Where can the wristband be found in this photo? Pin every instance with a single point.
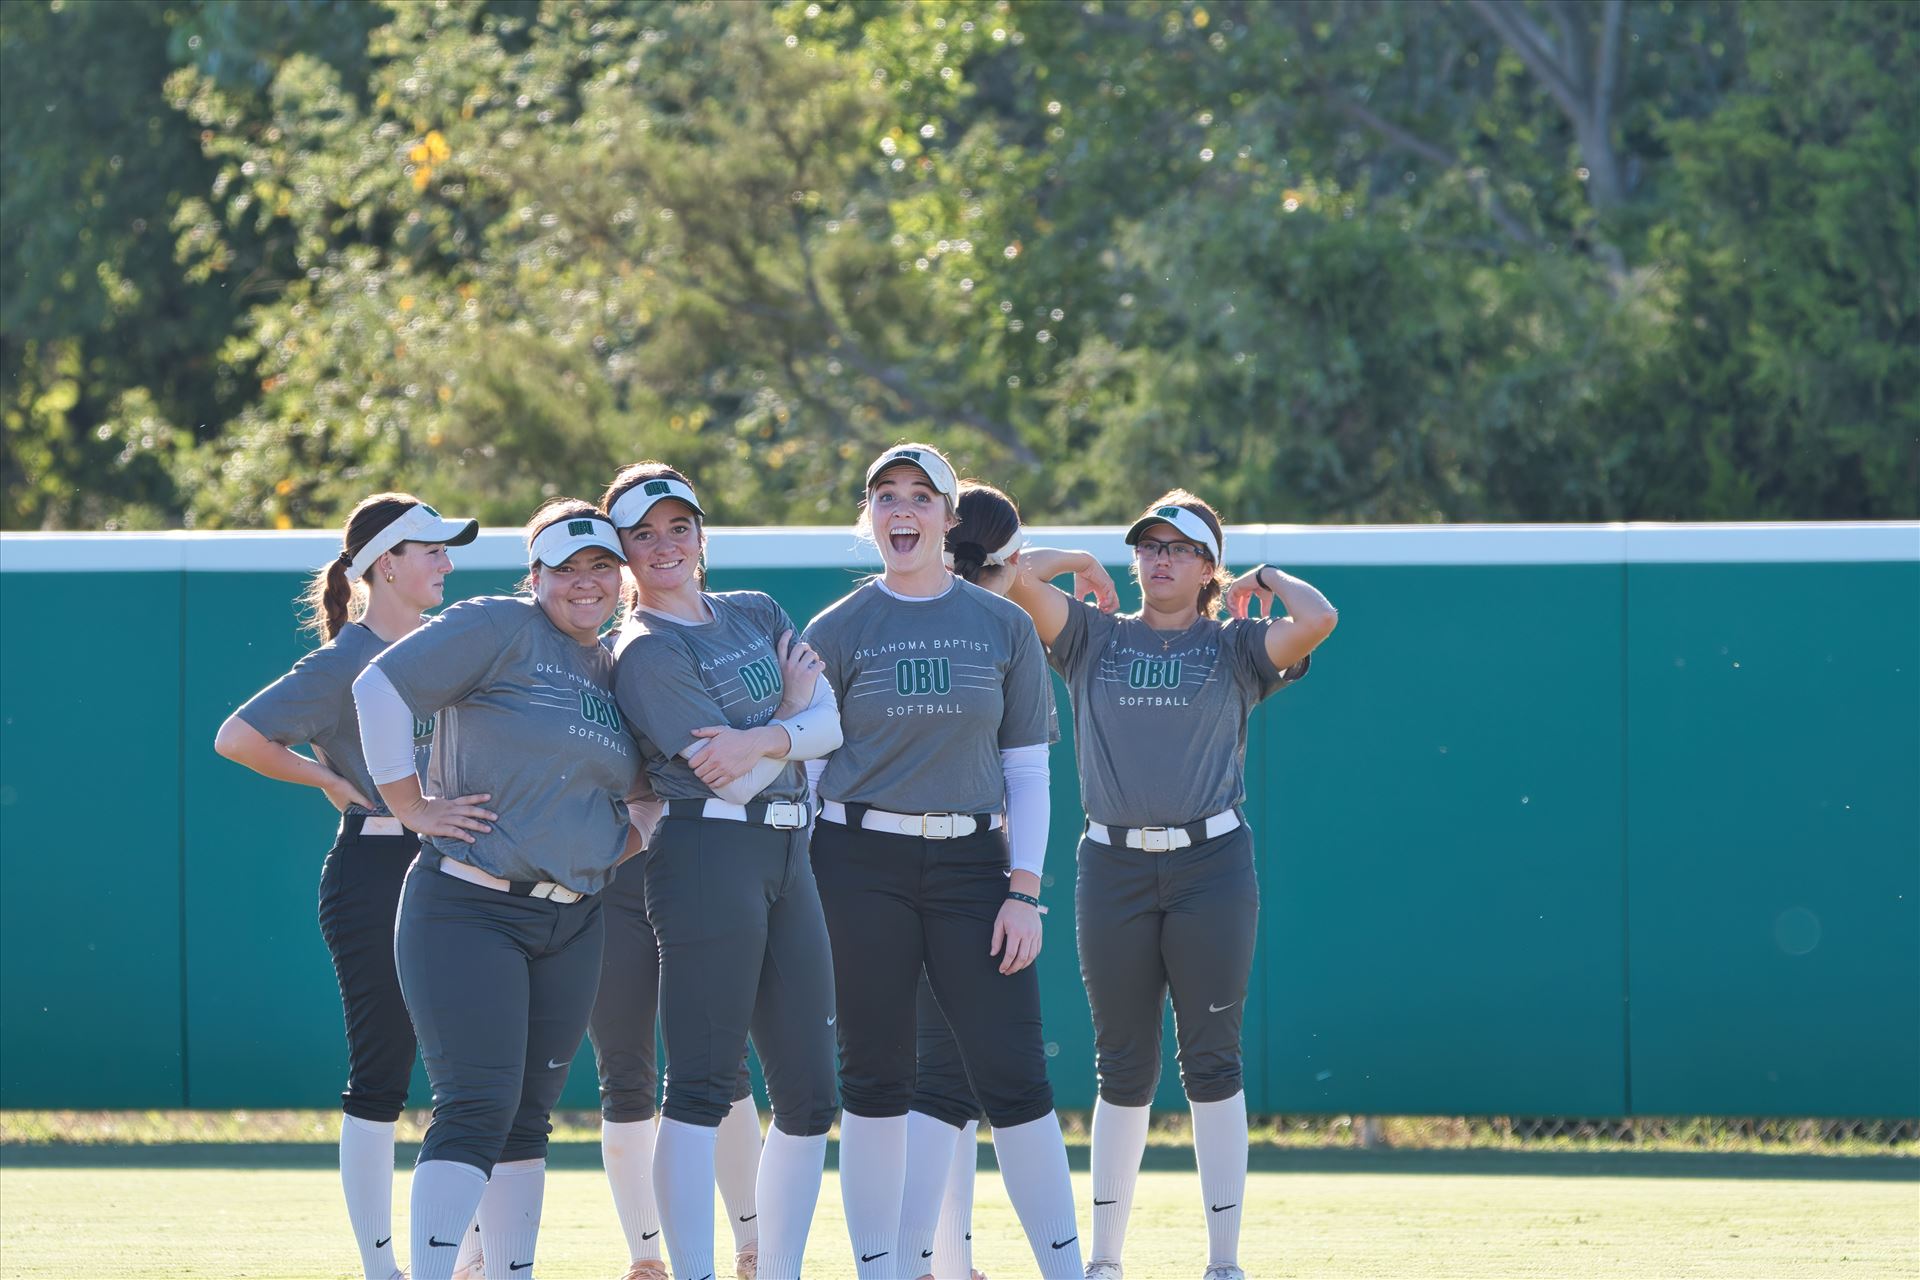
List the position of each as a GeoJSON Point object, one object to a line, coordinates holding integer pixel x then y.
{"type": "Point", "coordinates": [1259, 578]}
{"type": "Point", "coordinates": [1029, 899]}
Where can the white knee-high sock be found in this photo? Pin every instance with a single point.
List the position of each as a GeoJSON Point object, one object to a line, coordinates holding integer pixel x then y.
{"type": "Point", "coordinates": [683, 1184]}
{"type": "Point", "coordinates": [789, 1189]}
{"type": "Point", "coordinates": [1220, 1149]}
{"type": "Point", "coordinates": [445, 1195]}
{"type": "Point", "coordinates": [1033, 1164]}
{"type": "Point", "coordinates": [626, 1149]}
{"type": "Point", "coordinates": [1119, 1142]}
{"type": "Point", "coordinates": [468, 1264]}
{"type": "Point", "coordinates": [736, 1166]}
{"type": "Point", "coordinates": [873, 1171]}
{"type": "Point", "coordinates": [366, 1175]}
{"type": "Point", "coordinates": [510, 1218]}
{"type": "Point", "coordinates": [930, 1144]}
{"type": "Point", "coordinates": [953, 1239]}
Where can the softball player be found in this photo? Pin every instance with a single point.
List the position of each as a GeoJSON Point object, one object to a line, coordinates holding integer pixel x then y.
{"type": "Point", "coordinates": [724, 708]}
{"type": "Point", "coordinates": [945, 717]}
{"type": "Point", "coordinates": [1166, 895]}
{"type": "Point", "coordinates": [392, 568]}
{"type": "Point", "coordinates": [943, 1120]}
{"type": "Point", "coordinates": [498, 936]}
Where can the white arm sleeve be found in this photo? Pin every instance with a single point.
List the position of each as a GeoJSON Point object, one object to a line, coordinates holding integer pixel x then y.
{"type": "Point", "coordinates": [1029, 810]}
{"type": "Point", "coordinates": [815, 730]}
{"type": "Point", "coordinates": [748, 785]}
{"type": "Point", "coordinates": [386, 726]}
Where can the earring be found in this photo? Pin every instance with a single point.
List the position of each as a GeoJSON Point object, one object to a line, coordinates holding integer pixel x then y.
{"type": "Point", "coordinates": [389, 577]}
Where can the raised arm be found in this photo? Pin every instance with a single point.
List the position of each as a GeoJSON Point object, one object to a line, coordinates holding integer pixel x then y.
{"type": "Point", "coordinates": [1035, 568]}
{"type": "Point", "coordinates": [1310, 618]}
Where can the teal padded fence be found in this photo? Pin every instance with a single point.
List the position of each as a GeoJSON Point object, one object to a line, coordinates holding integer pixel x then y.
{"type": "Point", "coordinates": [1585, 821]}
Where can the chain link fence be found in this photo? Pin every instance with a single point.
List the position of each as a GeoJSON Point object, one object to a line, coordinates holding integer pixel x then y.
{"type": "Point", "coordinates": [1669, 1133]}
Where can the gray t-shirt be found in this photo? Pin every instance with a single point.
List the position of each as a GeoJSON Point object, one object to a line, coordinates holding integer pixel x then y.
{"type": "Point", "coordinates": [313, 703]}
{"type": "Point", "coordinates": [526, 715]}
{"type": "Point", "coordinates": [931, 691]}
{"type": "Point", "coordinates": [1160, 717]}
{"type": "Point", "coordinates": [675, 677]}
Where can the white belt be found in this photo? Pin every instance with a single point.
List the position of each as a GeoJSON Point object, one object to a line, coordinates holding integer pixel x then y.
{"type": "Point", "coordinates": [474, 875]}
{"type": "Point", "coordinates": [1163, 839]}
{"type": "Point", "coordinates": [928, 826]}
{"type": "Point", "coordinates": [781, 815]}
{"type": "Point", "coordinates": [373, 824]}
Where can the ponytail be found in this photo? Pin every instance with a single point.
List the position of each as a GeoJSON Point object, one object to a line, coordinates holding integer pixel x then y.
{"type": "Point", "coordinates": [326, 604]}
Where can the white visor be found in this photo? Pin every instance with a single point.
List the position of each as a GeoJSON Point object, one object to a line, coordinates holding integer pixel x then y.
{"type": "Point", "coordinates": [927, 461]}
{"type": "Point", "coordinates": [418, 523]}
{"type": "Point", "coordinates": [554, 545]}
{"type": "Point", "coordinates": [1005, 553]}
{"type": "Point", "coordinates": [631, 507]}
{"type": "Point", "coordinates": [1191, 527]}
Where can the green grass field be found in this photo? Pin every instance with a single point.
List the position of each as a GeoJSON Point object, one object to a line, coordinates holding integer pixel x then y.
{"type": "Point", "coordinates": [274, 1210]}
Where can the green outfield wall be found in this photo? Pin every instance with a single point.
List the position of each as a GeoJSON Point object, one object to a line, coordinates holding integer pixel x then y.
{"type": "Point", "coordinates": [1597, 821]}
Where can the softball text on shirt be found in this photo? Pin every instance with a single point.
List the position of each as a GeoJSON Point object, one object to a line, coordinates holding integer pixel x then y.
{"type": "Point", "coordinates": [675, 677]}
{"type": "Point", "coordinates": [527, 715]}
{"type": "Point", "coordinates": [930, 693]}
{"type": "Point", "coordinates": [1160, 717]}
{"type": "Point", "coordinates": [313, 703]}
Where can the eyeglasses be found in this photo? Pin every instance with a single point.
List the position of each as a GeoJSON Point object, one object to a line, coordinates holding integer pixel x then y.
{"type": "Point", "coordinates": [1153, 549]}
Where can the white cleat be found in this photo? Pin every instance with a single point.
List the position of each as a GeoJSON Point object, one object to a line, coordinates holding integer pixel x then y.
{"type": "Point", "coordinates": [646, 1269]}
{"type": "Point", "coordinates": [746, 1263]}
{"type": "Point", "coordinates": [1100, 1269]}
{"type": "Point", "coordinates": [1223, 1271]}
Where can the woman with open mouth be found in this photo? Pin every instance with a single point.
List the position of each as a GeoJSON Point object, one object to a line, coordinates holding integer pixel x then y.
{"type": "Point", "coordinates": [391, 570]}
{"type": "Point", "coordinates": [1166, 897]}
{"type": "Point", "coordinates": [725, 703]}
{"type": "Point", "coordinates": [524, 817]}
{"type": "Point", "coordinates": [945, 712]}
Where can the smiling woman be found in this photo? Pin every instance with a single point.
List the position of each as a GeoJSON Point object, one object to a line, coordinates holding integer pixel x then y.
{"type": "Point", "coordinates": [724, 704]}
{"type": "Point", "coordinates": [498, 935]}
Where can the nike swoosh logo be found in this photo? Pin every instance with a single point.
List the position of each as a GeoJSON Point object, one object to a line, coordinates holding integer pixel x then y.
{"type": "Point", "coordinates": [749, 1217]}
{"type": "Point", "coordinates": [436, 1242]}
{"type": "Point", "coordinates": [518, 1266]}
{"type": "Point", "coordinates": [381, 1244]}
{"type": "Point", "coordinates": [552, 1066]}
{"type": "Point", "coordinates": [1222, 1208]}
{"type": "Point", "coordinates": [1097, 1202]}
{"type": "Point", "coordinates": [926, 1253]}
{"type": "Point", "coordinates": [1061, 1244]}
{"type": "Point", "coordinates": [830, 1020]}
{"type": "Point", "coordinates": [869, 1257]}
{"type": "Point", "coordinates": [1221, 1008]}
{"type": "Point", "coordinates": [648, 1235]}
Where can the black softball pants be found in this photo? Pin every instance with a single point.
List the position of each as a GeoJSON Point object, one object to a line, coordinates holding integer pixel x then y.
{"type": "Point", "coordinates": [940, 1086]}
{"type": "Point", "coordinates": [499, 987]}
{"type": "Point", "coordinates": [624, 1013]}
{"type": "Point", "coordinates": [1184, 921]}
{"type": "Point", "coordinates": [743, 949]}
{"type": "Point", "coordinates": [359, 894]}
{"type": "Point", "coordinates": [894, 904]}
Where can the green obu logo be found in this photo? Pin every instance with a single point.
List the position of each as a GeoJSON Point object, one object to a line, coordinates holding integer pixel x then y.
{"type": "Point", "coordinates": [922, 675]}
{"type": "Point", "coordinates": [595, 709]}
{"type": "Point", "coordinates": [654, 488]}
{"type": "Point", "coordinates": [576, 528]}
{"type": "Point", "coordinates": [1154, 673]}
{"type": "Point", "coordinates": [762, 679]}
{"type": "Point", "coordinates": [423, 728]}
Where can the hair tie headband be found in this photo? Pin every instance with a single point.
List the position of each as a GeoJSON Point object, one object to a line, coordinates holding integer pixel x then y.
{"type": "Point", "coordinates": [969, 551]}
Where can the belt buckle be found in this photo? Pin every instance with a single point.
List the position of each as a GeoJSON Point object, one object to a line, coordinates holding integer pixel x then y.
{"type": "Point", "coordinates": [786, 815]}
{"type": "Point", "coordinates": [555, 892]}
{"type": "Point", "coordinates": [936, 826]}
{"type": "Point", "coordinates": [1156, 839]}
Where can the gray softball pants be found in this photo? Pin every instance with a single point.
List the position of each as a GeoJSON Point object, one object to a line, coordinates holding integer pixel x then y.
{"type": "Point", "coordinates": [1149, 923]}
{"type": "Point", "coordinates": [743, 950]}
{"type": "Point", "coordinates": [499, 988]}
{"type": "Point", "coordinates": [624, 1013]}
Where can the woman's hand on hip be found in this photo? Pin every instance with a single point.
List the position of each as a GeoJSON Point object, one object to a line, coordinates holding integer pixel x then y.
{"type": "Point", "coordinates": [458, 816]}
